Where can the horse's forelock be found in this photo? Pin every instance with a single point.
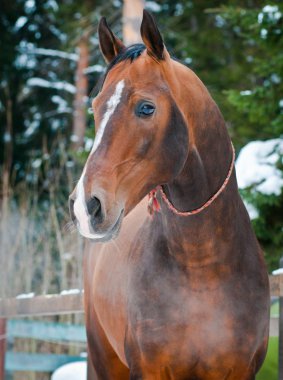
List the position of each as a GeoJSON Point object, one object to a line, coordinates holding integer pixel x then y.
{"type": "Point", "coordinates": [131, 53]}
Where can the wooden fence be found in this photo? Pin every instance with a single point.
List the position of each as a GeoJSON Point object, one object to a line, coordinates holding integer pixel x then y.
{"type": "Point", "coordinates": [47, 305]}
{"type": "Point", "coordinates": [51, 332]}
{"type": "Point", "coordinates": [73, 303]}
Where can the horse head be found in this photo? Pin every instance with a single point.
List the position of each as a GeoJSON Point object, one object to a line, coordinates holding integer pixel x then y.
{"type": "Point", "coordinates": [144, 128]}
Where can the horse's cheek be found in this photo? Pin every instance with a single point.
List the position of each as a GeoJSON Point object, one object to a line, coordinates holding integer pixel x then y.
{"type": "Point", "coordinates": [174, 148]}
{"type": "Point", "coordinates": [144, 145]}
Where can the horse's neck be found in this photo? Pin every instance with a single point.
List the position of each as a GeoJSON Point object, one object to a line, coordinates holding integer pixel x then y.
{"type": "Point", "coordinates": [209, 149]}
{"type": "Point", "coordinates": [208, 162]}
{"type": "Point", "coordinates": [204, 172]}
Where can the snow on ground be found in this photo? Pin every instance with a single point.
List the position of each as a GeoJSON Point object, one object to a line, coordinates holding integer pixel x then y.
{"type": "Point", "coordinates": [70, 291]}
{"type": "Point", "coordinates": [71, 371]}
{"type": "Point", "coordinates": [25, 295]}
{"type": "Point", "coordinates": [256, 166]}
{"type": "Point", "coordinates": [278, 271]}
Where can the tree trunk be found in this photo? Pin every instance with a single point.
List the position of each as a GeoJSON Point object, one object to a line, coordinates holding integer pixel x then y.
{"type": "Point", "coordinates": [8, 150]}
{"type": "Point", "coordinates": [4, 197]}
{"type": "Point", "coordinates": [79, 124]}
{"type": "Point", "coordinates": [132, 16]}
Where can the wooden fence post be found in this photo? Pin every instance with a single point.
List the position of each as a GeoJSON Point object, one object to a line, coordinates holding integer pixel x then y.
{"type": "Point", "coordinates": [2, 347]}
{"type": "Point", "coordinates": [280, 359]}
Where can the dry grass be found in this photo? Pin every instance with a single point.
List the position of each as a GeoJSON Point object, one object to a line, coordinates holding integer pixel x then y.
{"type": "Point", "coordinates": [38, 253]}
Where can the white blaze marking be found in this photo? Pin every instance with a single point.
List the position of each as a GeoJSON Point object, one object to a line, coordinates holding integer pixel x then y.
{"type": "Point", "coordinates": [80, 208]}
{"type": "Point", "coordinates": [111, 106]}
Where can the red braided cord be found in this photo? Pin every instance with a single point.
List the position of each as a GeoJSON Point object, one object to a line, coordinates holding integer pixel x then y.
{"type": "Point", "coordinates": [205, 205]}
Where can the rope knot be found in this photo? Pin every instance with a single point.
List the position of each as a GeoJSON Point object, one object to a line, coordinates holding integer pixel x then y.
{"type": "Point", "coordinates": [153, 204]}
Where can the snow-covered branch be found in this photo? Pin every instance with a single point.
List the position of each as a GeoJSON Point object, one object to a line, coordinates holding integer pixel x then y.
{"type": "Point", "coordinates": [94, 69]}
{"type": "Point", "coordinates": [54, 53]}
{"type": "Point", "coordinates": [39, 82]}
{"type": "Point", "coordinates": [256, 166]}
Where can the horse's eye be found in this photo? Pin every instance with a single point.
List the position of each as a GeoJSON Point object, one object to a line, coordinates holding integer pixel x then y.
{"type": "Point", "coordinates": [144, 109]}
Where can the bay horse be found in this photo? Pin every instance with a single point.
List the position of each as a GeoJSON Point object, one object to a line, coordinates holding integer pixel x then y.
{"type": "Point", "coordinates": [182, 293]}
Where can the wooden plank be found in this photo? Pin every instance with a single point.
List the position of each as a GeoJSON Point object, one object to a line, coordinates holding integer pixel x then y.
{"type": "Point", "coordinates": [19, 361]}
{"type": "Point", "coordinates": [274, 282]}
{"type": "Point", "coordinates": [2, 347]}
{"type": "Point", "coordinates": [61, 332]}
{"type": "Point", "coordinates": [41, 305]}
{"type": "Point", "coordinates": [274, 326]}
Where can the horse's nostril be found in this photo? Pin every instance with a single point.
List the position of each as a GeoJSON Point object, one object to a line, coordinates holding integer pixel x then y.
{"type": "Point", "coordinates": [94, 209]}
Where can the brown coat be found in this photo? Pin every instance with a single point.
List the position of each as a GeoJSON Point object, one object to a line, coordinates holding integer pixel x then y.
{"type": "Point", "coordinates": [172, 297]}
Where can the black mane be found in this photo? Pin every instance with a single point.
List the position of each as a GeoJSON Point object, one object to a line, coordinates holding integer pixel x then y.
{"type": "Point", "coordinates": [132, 52]}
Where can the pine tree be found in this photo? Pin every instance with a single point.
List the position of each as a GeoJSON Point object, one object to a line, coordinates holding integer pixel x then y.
{"type": "Point", "coordinates": [259, 106]}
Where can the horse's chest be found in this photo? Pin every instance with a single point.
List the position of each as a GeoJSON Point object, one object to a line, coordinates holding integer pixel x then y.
{"type": "Point", "coordinates": [175, 323]}
{"type": "Point", "coordinates": [162, 312]}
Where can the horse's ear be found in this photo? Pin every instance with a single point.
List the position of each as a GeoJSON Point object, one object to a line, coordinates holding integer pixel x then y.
{"type": "Point", "coordinates": [110, 45]}
{"type": "Point", "coordinates": [151, 36]}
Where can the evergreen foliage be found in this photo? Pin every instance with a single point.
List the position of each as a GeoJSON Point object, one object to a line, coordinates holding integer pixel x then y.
{"type": "Point", "coordinates": [259, 108]}
{"type": "Point", "coordinates": [236, 49]}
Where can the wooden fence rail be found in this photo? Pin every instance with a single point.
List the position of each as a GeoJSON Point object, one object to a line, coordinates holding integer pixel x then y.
{"type": "Point", "coordinates": [55, 304]}
{"type": "Point", "coordinates": [73, 303]}
{"type": "Point", "coordinates": [53, 332]}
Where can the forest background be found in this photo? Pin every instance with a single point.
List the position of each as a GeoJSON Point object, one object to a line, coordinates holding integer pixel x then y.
{"type": "Point", "coordinates": [50, 62]}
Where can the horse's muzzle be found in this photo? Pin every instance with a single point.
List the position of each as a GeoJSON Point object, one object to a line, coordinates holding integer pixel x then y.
{"type": "Point", "coordinates": [92, 220]}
